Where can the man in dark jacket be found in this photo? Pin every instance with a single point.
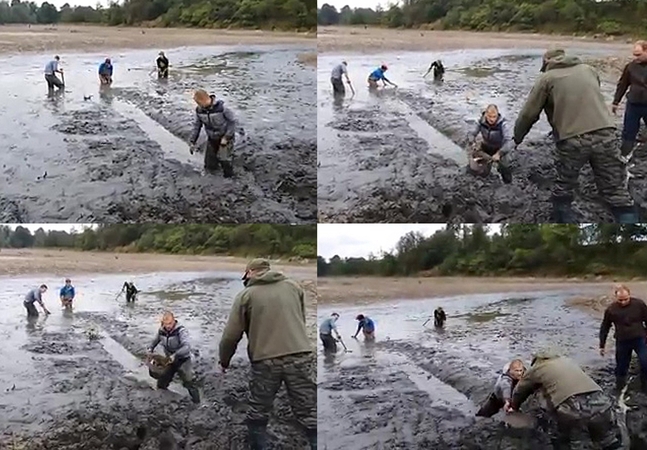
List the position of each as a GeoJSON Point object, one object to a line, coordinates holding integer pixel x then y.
{"type": "Point", "coordinates": [162, 66]}
{"type": "Point", "coordinates": [439, 317]}
{"type": "Point", "coordinates": [584, 132]}
{"type": "Point", "coordinates": [578, 403]}
{"type": "Point", "coordinates": [131, 291]}
{"type": "Point", "coordinates": [220, 125]}
{"type": "Point", "coordinates": [634, 79]}
{"type": "Point", "coordinates": [174, 339]}
{"type": "Point", "coordinates": [438, 68]}
{"type": "Point", "coordinates": [629, 316]}
{"type": "Point", "coordinates": [271, 312]}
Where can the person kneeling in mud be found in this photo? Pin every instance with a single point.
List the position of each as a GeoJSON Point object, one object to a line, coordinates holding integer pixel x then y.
{"type": "Point", "coordinates": [220, 125]}
{"type": "Point", "coordinates": [105, 73]}
{"type": "Point", "coordinates": [439, 317]}
{"type": "Point", "coordinates": [502, 395]}
{"type": "Point", "coordinates": [377, 75]}
{"type": "Point", "coordinates": [495, 144]}
{"type": "Point", "coordinates": [131, 291]}
{"type": "Point", "coordinates": [578, 403]}
{"type": "Point", "coordinates": [174, 339]}
{"type": "Point", "coordinates": [366, 325]}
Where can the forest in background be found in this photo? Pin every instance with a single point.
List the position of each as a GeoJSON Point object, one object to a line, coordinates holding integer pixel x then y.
{"type": "Point", "coordinates": [611, 17]}
{"type": "Point", "coordinates": [538, 250]}
{"type": "Point", "coordinates": [274, 14]}
{"type": "Point", "coordinates": [239, 240]}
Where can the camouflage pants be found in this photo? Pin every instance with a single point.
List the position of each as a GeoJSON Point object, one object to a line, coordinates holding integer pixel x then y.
{"type": "Point", "coordinates": [297, 372]}
{"type": "Point", "coordinates": [589, 414]}
{"type": "Point", "coordinates": [600, 149]}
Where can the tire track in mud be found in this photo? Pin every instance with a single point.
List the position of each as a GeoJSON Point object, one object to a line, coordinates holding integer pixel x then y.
{"type": "Point", "coordinates": [106, 409]}
{"type": "Point", "coordinates": [404, 182]}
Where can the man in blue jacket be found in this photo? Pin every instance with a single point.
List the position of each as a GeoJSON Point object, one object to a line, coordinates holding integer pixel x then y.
{"type": "Point", "coordinates": [366, 325]}
{"type": "Point", "coordinates": [105, 72]}
{"type": "Point", "coordinates": [67, 294]}
{"type": "Point", "coordinates": [377, 75]}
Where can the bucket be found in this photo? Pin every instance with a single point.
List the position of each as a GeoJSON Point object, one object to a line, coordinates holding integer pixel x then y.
{"type": "Point", "coordinates": [157, 365]}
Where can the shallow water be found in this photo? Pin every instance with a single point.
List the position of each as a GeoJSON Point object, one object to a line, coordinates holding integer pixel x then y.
{"type": "Point", "coordinates": [398, 155]}
{"type": "Point", "coordinates": [122, 155]}
{"type": "Point", "coordinates": [417, 386]}
{"type": "Point", "coordinates": [57, 372]}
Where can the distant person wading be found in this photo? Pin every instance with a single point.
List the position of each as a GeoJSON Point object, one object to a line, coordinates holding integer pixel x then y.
{"type": "Point", "coordinates": [51, 69]}
{"type": "Point", "coordinates": [162, 66]}
{"type": "Point", "coordinates": [105, 73]}
{"type": "Point", "coordinates": [336, 79]}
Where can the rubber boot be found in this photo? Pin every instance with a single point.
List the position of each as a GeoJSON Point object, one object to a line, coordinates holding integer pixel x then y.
{"type": "Point", "coordinates": [563, 212]}
{"type": "Point", "coordinates": [506, 174]}
{"type": "Point", "coordinates": [312, 438]}
{"type": "Point", "coordinates": [195, 394]}
{"type": "Point", "coordinates": [625, 214]}
{"type": "Point", "coordinates": [257, 436]}
{"type": "Point", "coordinates": [626, 147]}
{"type": "Point", "coordinates": [227, 168]}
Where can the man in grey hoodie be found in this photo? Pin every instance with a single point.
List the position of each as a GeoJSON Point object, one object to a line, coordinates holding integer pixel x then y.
{"type": "Point", "coordinates": [220, 125]}
{"type": "Point", "coordinates": [35, 296]}
{"type": "Point", "coordinates": [174, 339]}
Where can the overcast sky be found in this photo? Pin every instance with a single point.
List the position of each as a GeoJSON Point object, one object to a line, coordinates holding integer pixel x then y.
{"type": "Point", "coordinates": [339, 4]}
{"type": "Point", "coordinates": [50, 226]}
{"type": "Point", "coordinates": [355, 240]}
{"type": "Point", "coordinates": [360, 240]}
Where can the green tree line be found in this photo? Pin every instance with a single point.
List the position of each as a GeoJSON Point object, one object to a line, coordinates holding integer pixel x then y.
{"type": "Point", "coordinates": [539, 250]}
{"type": "Point", "coordinates": [241, 240]}
{"type": "Point", "coordinates": [275, 14]}
{"type": "Point", "coordinates": [613, 17]}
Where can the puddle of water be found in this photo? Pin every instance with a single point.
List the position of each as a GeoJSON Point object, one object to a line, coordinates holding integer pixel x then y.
{"type": "Point", "coordinates": [439, 144]}
{"type": "Point", "coordinates": [481, 72]}
{"type": "Point", "coordinates": [485, 316]}
{"type": "Point", "coordinates": [172, 146]}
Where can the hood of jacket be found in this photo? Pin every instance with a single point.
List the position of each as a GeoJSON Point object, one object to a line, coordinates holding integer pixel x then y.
{"type": "Point", "coordinates": [562, 62]}
{"type": "Point", "coordinates": [545, 354]}
{"type": "Point", "coordinates": [268, 277]}
{"type": "Point", "coordinates": [217, 106]}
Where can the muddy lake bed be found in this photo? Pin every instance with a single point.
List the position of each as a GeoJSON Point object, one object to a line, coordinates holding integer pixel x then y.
{"type": "Point", "coordinates": [419, 387]}
{"type": "Point", "coordinates": [62, 387]}
{"type": "Point", "coordinates": [398, 155]}
{"type": "Point", "coordinates": [122, 154]}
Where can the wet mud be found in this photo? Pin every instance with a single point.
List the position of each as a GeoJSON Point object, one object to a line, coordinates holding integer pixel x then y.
{"type": "Point", "coordinates": [398, 155]}
{"type": "Point", "coordinates": [419, 387]}
{"type": "Point", "coordinates": [122, 155]}
{"type": "Point", "coordinates": [80, 382]}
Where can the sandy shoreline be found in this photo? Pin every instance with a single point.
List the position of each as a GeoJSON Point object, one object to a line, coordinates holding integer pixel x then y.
{"type": "Point", "coordinates": [89, 38]}
{"type": "Point", "coordinates": [345, 290]}
{"type": "Point", "coordinates": [380, 40]}
{"type": "Point", "coordinates": [17, 262]}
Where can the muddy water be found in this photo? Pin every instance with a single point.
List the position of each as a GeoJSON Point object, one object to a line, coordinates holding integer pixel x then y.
{"type": "Point", "coordinates": [418, 387]}
{"type": "Point", "coordinates": [62, 388]}
{"type": "Point", "coordinates": [122, 155]}
{"type": "Point", "coordinates": [398, 155]}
